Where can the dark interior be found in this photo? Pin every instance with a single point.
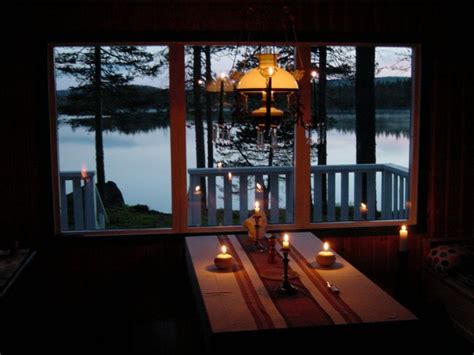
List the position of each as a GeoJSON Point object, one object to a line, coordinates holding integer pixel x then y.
{"type": "Point", "coordinates": [132, 294]}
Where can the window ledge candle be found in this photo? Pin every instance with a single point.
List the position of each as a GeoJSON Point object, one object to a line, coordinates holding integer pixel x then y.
{"type": "Point", "coordinates": [223, 261]}
{"type": "Point", "coordinates": [403, 246]}
{"type": "Point", "coordinates": [325, 257]}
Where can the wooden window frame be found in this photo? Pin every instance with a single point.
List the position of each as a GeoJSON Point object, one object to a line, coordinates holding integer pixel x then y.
{"type": "Point", "coordinates": [302, 164]}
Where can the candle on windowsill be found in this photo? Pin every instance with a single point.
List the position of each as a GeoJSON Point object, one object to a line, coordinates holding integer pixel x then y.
{"type": "Point", "coordinates": [403, 246]}
{"type": "Point", "coordinates": [223, 261]}
{"type": "Point", "coordinates": [325, 257]}
{"type": "Point", "coordinates": [285, 245]}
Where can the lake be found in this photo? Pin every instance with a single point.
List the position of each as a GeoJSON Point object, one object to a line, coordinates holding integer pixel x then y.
{"type": "Point", "coordinates": [140, 163]}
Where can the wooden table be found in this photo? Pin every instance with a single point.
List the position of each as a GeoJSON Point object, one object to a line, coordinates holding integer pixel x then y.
{"type": "Point", "coordinates": [241, 301]}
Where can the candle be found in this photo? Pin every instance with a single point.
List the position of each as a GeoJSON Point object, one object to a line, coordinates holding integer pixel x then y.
{"type": "Point", "coordinates": [257, 207]}
{"type": "Point", "coordinates": [363, 210]}
{"type": "Point", "coordinates": [229, 176]}
{"type": "Point", "coordinates": [403, 246]}
{"type": "Point", "coordinates": [259, 187]}
{"type": "Point", "coordinates": [219, 165]}
{"type": "Point", "coordinates": [325, 257]}
{"type": "Point", "coordinates": [223, 261]}
{"type": "Point", "coordinates": [197, 190]}
{"type": "Point", "coordinates": [286, 242]}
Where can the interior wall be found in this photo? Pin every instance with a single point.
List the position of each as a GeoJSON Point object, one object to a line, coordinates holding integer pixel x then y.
{"type": "Point", "coordinates": [446, 150]}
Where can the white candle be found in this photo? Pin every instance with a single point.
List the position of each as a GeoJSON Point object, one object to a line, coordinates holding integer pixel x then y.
{"type": "Point", "coordinates": [363, 210]}
{"type": "Point", "coordinates": [257, 207]}
{"type": "Point", "coordinates": [223, 260]}
{"type": "Point", "coordinates": [403, 246]}
{"type": "Point", "coordinates": [197, 190]}
{"type": "Point", "coordinates": [325, 257]}
{"type": "Point", "coordinates": [286, 242]}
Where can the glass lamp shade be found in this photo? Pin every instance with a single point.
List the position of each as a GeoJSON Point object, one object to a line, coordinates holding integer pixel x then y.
{"type": "Point", "coordinates": [262, 112]}
{"type": "Point", "coordinates": [255, 80]}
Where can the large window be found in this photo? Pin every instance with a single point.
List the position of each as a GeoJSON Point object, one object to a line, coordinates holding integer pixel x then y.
{"type": "Point", "coordinates": [113, 137]}
{"type": "Point", "coordinates": [179, 138]}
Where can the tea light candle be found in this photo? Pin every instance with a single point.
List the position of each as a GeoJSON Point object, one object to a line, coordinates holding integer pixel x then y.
{"type": "Point", "coordinates": [325, 257]}
{"type": "Point", "coordinates": [286, 242]}
{"type": "Point", "coordinates": [403, 246]}
{"type": "Point", "coordinates": [223, 261]}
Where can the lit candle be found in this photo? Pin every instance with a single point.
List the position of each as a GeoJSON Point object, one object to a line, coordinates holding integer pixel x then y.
{"type": "Point", "coordinates": [259, 187]}
{"type": "Point", "coordinates": [257, 207]}
{"type": "Point", "coordinates": [223, 261]}
{"type": "Point", "coordinates": [403, 246]}
{"type": "Point", "coordinates": [363, 210]}
{"type": "Point", "coordinates": [219, 165]}
{"type": "Point", "coordinates": [84, 172]}
{"type": "Point", "coordinates": [325, 257]}
{"type": "Point", "coordinates": [286, 242]}
{"type": "Point", "coordinates": [229, 176]}
{"type": "Point", "coordinates": [197, 190]}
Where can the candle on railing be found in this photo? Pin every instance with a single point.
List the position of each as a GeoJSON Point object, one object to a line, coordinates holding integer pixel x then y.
{"type": "Point", "coordinates": [229, 175]}
{"type": "Point", "coordinates": [363, 210]}
{"type": "Point", "coordinates": [197, 190]}
{"type": "Point", "coordinates": [325, 257]}
{"type": "Point", "coordinates": [223, 261]}
{"type": "Point", "coordinates": [403, 245]}
{"type": "Point", "coordinates": [259, 187]}
{"type": "Point", "coordinates": [286, 242]}
{"type": "Point", "coordinates": [219, 165]}
{"type": "Point", "coordinates": [84, 175]}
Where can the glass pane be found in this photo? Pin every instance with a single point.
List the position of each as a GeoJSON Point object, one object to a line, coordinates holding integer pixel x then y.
{"type": "Point", "coordinates": [239, 151]}
{"type": "Point", "coordinates": [113, 137]}
{"type": "Point", "coordinates": [360, 148]}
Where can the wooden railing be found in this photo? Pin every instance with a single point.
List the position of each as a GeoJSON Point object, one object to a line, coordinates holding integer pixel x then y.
{"type": "Point", "coordinates": [88, 211]}
{"type": "Point", "coordinates": [278, 182]}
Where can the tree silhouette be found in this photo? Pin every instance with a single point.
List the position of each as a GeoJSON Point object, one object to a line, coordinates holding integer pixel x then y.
{"type": "Point", "coordinates": [102, 69]}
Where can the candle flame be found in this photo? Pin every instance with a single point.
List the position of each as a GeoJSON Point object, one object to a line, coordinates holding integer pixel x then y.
{"type": "Point", "coordinates": [257, 204]}
{"type": "Point", "coordinates": [219, 164]}
{"type": "Point", "coordinates": [270, 71]}
{"type": "Point", "coordinates": [224, 249]}
{"type": "Point", "coordinates": [363, 206]}
{"type": "Point", "coordinates": [314, 74]}
{"type": "Point", "coordinates": [197, 188]}
{"type": "Point", "coordinates": [229, 175]}
{"type": "Point", "coordinates": [222, 76]}
{"type": "Point", "coordinates": [286, 237]}
{"type": "Point", "coordinates": [259, 187]}
{"type": "Point", "coordinates": [326, 246]}
{"type": "Point", "coordinates": [84, 172]}
{"type": "Point", "coordinates": [404, 227]}
{"type": "Point", "coordinates": [200, 81]}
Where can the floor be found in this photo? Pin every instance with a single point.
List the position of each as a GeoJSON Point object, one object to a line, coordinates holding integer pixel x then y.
{"type": "Point", "coordinates": [57, 309]}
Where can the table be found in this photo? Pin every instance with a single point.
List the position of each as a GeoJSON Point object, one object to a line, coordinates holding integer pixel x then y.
{"type": "Point", "coordinates": [242, 301]}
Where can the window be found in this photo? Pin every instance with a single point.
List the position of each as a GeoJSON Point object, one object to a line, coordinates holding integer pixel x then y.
{"type": "Point", "coordinates": [113, 137]}
{"type": "Point", "coordinates": [164, 139]}
{"type": "Point", "coordinates": [360, 152]}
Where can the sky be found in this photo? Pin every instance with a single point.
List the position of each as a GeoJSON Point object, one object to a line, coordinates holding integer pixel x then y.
{"type": "Point", "coordinates": [391, 61]}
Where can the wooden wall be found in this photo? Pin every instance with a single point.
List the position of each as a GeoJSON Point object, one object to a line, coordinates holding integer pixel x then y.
{"type": "Point", "coordinates": [446, 166]}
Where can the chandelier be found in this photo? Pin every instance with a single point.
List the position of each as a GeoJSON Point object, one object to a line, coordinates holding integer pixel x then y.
{"type": "Point", "coordinates": [268, 80]}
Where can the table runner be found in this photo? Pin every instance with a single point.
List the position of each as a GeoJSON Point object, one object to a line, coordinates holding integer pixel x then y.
{"type": "Point", "coordinates": [243, 300]}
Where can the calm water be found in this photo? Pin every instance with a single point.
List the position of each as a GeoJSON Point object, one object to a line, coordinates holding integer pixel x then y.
{"type": "Point", "coordinates": [140, 163]}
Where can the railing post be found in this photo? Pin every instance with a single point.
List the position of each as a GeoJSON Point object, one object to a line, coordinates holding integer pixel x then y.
{"type": "Point", "coordinates": [331, 197]}
{"type": "Point", "coordinates": [386, 194]}
{"type": "Point", "coordinates": [78, 203]}
{"type": "Point", "coordinates": [227, 200]}
{"type": "Point", "coordinates": [371, 196]}
{"type": "Point", "coordinates": [344, 196]}
{"type": "Point", "coordinates": [259, 193]}
{"type": "Point", "coordinates": [357, 195]}
{"type": "Point", "coordinates": [401, 202]}
{"type": "Point", "coordinates": [243, 197]}
{"type": "Point", "coordinates": [211, 200]}
{"type": "Point", "coordinates": [274, 198]}
{"type": "Point", "coordinates": [90, 205]}
{"type": "Point", "coordinates": [290, 193]}
{"type": "Point", "coordinates": [395, 197]}
{"type": "Point", "coordinates": [194, 201]}
{"type": "Point", "coordinates": [64, 212]}
{"type": "Point", "coordinates": [318, 197]}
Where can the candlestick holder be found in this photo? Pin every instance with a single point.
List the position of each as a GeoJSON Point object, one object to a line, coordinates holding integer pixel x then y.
{"type": "Point", "coordinates": [271, 250]}
{"type": "Point", "coordinates": [286, 287]}
{"type": "Point", "coordinates": [257, 245]}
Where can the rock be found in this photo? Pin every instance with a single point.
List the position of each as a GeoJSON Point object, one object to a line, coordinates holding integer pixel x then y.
{"type": "Point", "coordinates": [113, 195]}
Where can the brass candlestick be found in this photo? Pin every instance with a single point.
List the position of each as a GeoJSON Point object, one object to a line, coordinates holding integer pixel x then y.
{"type": "Point", "coordinates": [286, 287]}
{"type": "Point", "coordinates": [258, 246]}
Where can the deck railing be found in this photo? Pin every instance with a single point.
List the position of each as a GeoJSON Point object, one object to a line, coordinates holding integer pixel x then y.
{"type": "Point", "coordinates": [88, 211]}
{"type": "Point", "coordinates": [392, 195]}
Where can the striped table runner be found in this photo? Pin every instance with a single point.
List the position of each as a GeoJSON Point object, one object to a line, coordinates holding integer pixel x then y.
{"type": "Point", "coordinates": [243, 300]}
